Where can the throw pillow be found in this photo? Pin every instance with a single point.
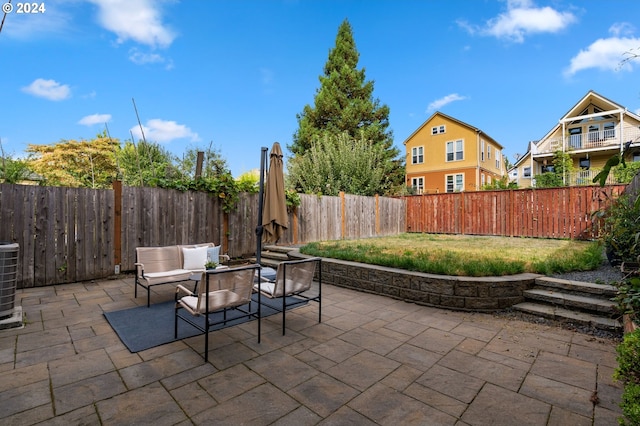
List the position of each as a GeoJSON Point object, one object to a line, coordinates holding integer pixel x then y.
{"type": "Point", "coordinates": [194, 258]}
{"type": "Point", "coordinates": [213, 254]}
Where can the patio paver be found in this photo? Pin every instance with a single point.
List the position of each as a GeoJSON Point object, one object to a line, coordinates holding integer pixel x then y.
{"type": "Point", "coordinates": [373, 360]}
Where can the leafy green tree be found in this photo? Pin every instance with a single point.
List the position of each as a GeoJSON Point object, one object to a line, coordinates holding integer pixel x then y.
{"type": "Point", "coordinates": [213, 164]}
{"type": "Point", "coordinates": [249, 181]}
{"type": "Point", "coordinates": [344, 103]}
{"type": "Point", "coordinates": [12, 171]}
{"type": "Point", "coordinates": [84, 163]}
{"type": "Point", "coordinates": [146, 164]}
{"type": "Point", "coordinates": [340, 163]}
{"type": "Point", "coordinates": [562, 169]}
{"type": "Point", "coordinates": [502, 183]}
{"type": "Point", "coordinates": [625, 173]}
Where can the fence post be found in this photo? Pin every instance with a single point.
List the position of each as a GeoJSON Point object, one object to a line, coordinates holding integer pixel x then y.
{"type": "Point", "coordinates": [377, 214]}
{"type": "Point", "coordinates": [342, 216]}
{"type": "Point", "coordinates": [464, 218]}
{"type": "Point", "coordinates": [294, 219]}
{"type": "Point", "coordinates": [224, 240]}
{"type": "Point", "coordinates": [117, 224]}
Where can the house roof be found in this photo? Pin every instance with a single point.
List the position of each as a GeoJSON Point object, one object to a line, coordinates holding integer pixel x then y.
{"type": "Point", "coordinates": [583, 103]}
{"type": "Point", "coordinates": [461, 123]}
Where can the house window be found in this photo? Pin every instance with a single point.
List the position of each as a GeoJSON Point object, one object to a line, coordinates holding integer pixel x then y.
{"type": "Point", "coordinates": [575, 137]}
{"type": "Point", "coordinates": [585, 163]}
{"type": "Point", "coordinates": [498, 160]}
{"type": "Point", "coordinates": [609, 130]}
{"type": "Point", "coordinates": [489, 152]}
{"type": "Point", "coordinates": [455, 150]}
{"type": "Point", "coordinates": [437, 130]}
{"type": "Point", "coordinates": [417, 184]}
{"type": "Point", "coordinates": [594, 132]}
{"type": "Point", "coordinates": [547, 168]}
{"type": "Point", "coordinates": [417, 155]}
{"type": "Point", "coordinates": [455, 183]}
{"type": "Point", "coordinates": [481, 150]}
{"type": "Point", "coordinates": [526, 172]}
{"type": "Point", "coordinates": [482, 179]}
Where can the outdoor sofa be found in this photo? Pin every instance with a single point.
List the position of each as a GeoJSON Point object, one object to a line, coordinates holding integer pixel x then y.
{"type": "Point", "coordinates": [172, 264]}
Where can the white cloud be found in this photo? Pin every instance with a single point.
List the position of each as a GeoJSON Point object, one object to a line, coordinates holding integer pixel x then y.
{"type": "Point", "coordinates": [92, 119]}
{"type": "Point", "coordinates": [137, 20]}
{"type": "Point", "coordinates": [164, 131]}
{"type": "Point", "coordinates": [608, 54]}
{"type": "Point", "coordinates": [522, 18]}
{"type": "Point", "coordinates": [439, 103]}
{"type": "Point", "coordinates": [48, 89]}
{"type": "Point", "coordinates": [142, 58]}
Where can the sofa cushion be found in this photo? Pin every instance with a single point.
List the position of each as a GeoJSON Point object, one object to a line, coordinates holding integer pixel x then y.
{"type": "Point", "coordinates": [213, 254]}
{"type": "Point", "coordinates": [194, 258]}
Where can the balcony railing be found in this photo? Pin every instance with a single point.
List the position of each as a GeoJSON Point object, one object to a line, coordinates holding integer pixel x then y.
{"type": "Point", "coordinates": [595, 139]}
{"type": "Point", "coordinates": [590, 140]}
{"type": "Point", "coordinates": [585, 177]}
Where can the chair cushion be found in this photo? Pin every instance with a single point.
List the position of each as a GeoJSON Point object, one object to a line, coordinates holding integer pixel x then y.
{"type": "Point", "coordinates": [266, 287]}
{"type": "Point", "coordinates": [175, 275]}
{"type": "Point", "coordinates": [217, 300]}
{"type": "Point", "coordinates": [194, 258]}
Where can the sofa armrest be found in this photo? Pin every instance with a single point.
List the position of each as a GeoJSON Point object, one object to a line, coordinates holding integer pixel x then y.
{"type": "Point", "coordinates": [139, 269]}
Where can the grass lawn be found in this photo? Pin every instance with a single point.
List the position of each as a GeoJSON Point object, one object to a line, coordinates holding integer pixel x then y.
{"type": "Point", "coordinates": [465, 255]}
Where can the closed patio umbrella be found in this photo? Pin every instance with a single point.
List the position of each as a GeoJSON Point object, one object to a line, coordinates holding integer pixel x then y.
{"type": "Point", "coordinates": [272, 204]}
{"type": "Point", "coordinates": [275, 219]}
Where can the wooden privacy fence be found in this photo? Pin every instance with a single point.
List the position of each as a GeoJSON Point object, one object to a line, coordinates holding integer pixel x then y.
{"type": "Point", "coordinates": [540, 213]}
{"type": "Point", "coordinates": [78, 234]}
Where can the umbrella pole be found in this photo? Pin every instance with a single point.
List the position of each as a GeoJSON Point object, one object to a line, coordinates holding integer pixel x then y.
{"type": "Point", "coordinates": [263, 164]}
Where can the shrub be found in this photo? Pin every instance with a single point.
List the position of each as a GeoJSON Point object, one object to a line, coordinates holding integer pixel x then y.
{"type": "Point", "coordinates": [628, 372]}
{"type": "Point", "coordinates": [620, 229]}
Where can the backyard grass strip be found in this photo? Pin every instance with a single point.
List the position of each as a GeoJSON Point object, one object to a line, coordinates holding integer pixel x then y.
{"type": "Point", "coordinates": [464, 255]}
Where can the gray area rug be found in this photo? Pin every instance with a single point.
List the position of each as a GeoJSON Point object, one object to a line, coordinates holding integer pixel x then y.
{"type": "Point", "coordinates": [142, 328]}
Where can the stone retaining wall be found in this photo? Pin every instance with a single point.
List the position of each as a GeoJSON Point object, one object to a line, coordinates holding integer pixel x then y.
{"type": "Point", "coordinates": [463, 293]}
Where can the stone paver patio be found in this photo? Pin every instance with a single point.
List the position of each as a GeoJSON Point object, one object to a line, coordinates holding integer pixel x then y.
{"type": "Point", "coordinates": [373, 360]}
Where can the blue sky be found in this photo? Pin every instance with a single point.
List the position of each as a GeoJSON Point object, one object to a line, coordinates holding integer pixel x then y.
{"type": "Point", "coordinates": [235, 73]}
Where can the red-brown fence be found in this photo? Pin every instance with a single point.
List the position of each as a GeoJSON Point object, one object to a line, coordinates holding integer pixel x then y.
{"type": "Point", "coordinates": [539, 213]}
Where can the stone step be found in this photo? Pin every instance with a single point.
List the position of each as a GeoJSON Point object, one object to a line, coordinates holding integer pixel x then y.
{"type": "Point", "coordinates": [562, 314]}
{"type": "Point", "coordinates": [274, 255]}
{"type": "Point", "coordinates": [568, 300]}
{"type": "Point", "coordinates": [578, 287]}
{"type": "Point", "coordinates": [265, 261]}
{"type": "Point", "coordinates": [277, 249]}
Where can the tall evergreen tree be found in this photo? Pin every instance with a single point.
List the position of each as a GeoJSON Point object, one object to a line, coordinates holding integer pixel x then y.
{"type": "Point", "coordinates": [344, 103]}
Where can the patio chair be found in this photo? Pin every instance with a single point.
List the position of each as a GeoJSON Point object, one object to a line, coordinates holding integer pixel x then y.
{"type": "Point", "coordinates": [293, 278]}
{"type": "Point", "coordinates": [219, 291]}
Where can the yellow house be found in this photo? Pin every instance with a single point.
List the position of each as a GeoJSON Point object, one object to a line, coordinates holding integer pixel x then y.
{"type": "Point", "coordinates": [448, 155]}
{"type": "Point", "coordinates": [591, 132]}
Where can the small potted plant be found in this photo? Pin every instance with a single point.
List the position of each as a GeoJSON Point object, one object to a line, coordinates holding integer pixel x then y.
{"type": "Point", "coordinates": [210, 265]}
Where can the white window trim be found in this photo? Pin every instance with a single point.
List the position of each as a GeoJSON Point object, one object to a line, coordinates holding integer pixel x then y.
{"type": "Point", "coordinates": [454, 177]}
{"type": "Point", "coordinates": [438, 130]}
{"type": "Point", "coordinates": [453, 145]}
{"type": "Point", "coordinates": [418, 184]}
{"type": "Point", "coordinates": [417, 151]}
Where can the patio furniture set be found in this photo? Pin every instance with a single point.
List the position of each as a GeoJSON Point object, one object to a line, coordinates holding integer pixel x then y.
{"type": "Point", "coordinates": [222, 288]}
